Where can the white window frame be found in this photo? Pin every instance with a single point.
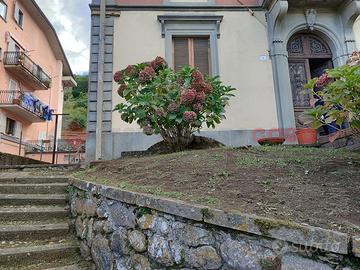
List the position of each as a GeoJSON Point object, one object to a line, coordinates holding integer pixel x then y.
{"type": "Point", "coordinates": [4, 16]}
{"type": "Point", "coordinates": [17, 11]}
{"type": "Point", "coordinates": [192, 26]}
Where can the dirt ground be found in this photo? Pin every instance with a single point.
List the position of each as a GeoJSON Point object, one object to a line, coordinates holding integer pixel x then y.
{"type": "Point", "coordinates": [319, 187]}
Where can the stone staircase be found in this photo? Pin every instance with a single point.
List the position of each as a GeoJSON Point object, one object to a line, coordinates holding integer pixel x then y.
{"type": "Point", "coordinates": [34, 228]}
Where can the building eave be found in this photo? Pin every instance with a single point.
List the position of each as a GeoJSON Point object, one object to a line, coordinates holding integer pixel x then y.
{"type": "Point", "coordinates": [50, 32]}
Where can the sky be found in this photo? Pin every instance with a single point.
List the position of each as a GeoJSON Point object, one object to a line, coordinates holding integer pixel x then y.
{"type": "Point", "coordinates": [71, 19]}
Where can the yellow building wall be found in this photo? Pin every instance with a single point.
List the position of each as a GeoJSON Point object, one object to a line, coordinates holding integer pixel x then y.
{"type": "Point", "coordinates": [243, 63]}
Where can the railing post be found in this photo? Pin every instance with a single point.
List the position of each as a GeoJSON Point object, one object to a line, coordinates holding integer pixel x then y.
{"type": "Point", "coordinates": [20, 144]}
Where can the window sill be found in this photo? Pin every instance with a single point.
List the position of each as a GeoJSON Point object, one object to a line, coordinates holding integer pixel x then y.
{"type": "Point", "coordinates": [9, 138]}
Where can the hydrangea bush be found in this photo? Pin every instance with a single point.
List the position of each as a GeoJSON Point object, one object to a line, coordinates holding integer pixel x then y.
{"type": "Point", "coordinates": [338, 91]}
{"type": "Point", "coordinates": [172, 104]}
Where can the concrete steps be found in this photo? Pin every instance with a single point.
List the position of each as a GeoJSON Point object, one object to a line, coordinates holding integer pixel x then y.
{"type": "Point", "coordinates": [45, 253]}
{"type": "Point", "coordinates": [32, 232]}
{"type": "Point", "coordinates": [44, 188]}
{"type": "Point", "coordinates": [34, 229]}
{"type": "Point", "coordinates": [33, 199]}
{"type": "Point", "coordinates": [32, 213]}
{"type": "Point", "coordinates": [32, 180]}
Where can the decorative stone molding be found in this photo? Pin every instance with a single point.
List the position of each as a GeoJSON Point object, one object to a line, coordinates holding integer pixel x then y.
{"type": "Point", "coordinates": [128, 230]}
{"type": "Point", "coordinates": [349, 14]}
{"type": "Point", "coordinates": [311, 15]}
{"type": "Point", "coordinates": [192, 18]}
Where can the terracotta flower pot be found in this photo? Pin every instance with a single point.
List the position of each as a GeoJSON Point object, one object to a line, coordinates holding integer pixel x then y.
{"type": "Point", "coordinates": [306, 136]}
{"type": "Point", "coordinates": [271, 141]}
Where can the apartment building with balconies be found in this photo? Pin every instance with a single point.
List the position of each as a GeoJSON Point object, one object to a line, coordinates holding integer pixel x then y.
{"type": "Point", "coordinates": [34, 71]}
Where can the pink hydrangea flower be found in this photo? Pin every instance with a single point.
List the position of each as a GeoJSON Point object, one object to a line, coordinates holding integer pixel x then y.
{"type": "Point", "coordinates": [173, 107]}
{"type": "Point", "coordinates": [131, 70]}
{"type": "Point", "coordinates": [207, 88]}
{"type": "Point", "coordinates": [323, 80]}
{"type": "Point", "coordinates": [159, 112]}
{"type": "Point", "coordinates": [121, 89]}
{"type": "Point", "coordinates": [118, 76]}
{"type": "Point", "coordinates": [197, 76]}
{"type": "Point", "coordinates": [189, 116]}
{"type": "Point", "coordinates": [158, 63]}
{"type": "Point", "coordinates": [200, 97]}
{"type": "Point", "coordinates": [147, 74]}
{"type": "Point", "coordinates": [198, 107]}
{"type": "Point", "coordinates": [187, 96]}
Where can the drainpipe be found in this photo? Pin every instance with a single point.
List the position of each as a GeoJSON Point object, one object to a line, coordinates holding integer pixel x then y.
{"type": "Point", "coordinates": [100, 83]}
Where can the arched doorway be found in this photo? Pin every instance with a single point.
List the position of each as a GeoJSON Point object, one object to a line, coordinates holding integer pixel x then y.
{"type": "Point", "coordinates": [309, 56]}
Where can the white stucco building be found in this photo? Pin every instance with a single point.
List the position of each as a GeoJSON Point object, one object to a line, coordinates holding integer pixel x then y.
{"type": "Point", "coordinates": [265, 49]}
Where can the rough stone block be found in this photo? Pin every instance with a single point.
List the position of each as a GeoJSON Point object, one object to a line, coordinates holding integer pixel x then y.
{"type": "Point", "coordinates": [294, 262]}
{"type": "Point", "coordinates": [145, 222]}
{"type": "Point", "coordinates": [191, 235]}
{"type": "Point", "coordinates": [101, 253]}
{"type": "Point", "coordinates": [244, 255]}
{"type": "Point", "coordinates": [137, 240]}
{"type": "Point", "coordinates": [159, 250]}
{"type": "Point", "coordinates": [204, 257]}
{"type": "Point", "coordinates": [140, 262]}
{"type": "Point", "coordinates": [119, 242]}
{"type": "Point", "coordinates": [356, 246]}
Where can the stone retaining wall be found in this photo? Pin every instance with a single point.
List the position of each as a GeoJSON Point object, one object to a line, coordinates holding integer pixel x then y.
{"type": "Point", "coordinates": [8, 159]}
{"type": "Point", "coordinates": [126, 230]}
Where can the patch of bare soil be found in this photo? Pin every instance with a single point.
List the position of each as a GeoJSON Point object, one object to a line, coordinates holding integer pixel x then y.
{"type": "Point", "coordinates": [319, 187]}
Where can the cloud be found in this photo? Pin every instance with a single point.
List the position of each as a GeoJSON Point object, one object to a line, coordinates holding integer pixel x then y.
{"type": "Point", "coordinates": [71, 19]}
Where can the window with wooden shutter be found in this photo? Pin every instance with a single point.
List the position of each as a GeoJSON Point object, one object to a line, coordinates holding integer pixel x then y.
{"type": "Point", "coordinates": [181, 53]}
{"type": "Point", "coordinates": [192, 51]}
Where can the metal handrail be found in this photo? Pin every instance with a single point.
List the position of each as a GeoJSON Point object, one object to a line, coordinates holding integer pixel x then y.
{"type": "Point", "coordinates": [20, 58]}
{"type": "Point", "coordinates": [16, 97]}
{"type": "Point", "coordinates": [63, 145]}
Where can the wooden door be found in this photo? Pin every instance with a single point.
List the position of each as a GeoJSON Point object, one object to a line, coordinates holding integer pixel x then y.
{"type": "Point", "coordinates": [299, 75]}
{"type": "Point", "coordinates": [309, 56]}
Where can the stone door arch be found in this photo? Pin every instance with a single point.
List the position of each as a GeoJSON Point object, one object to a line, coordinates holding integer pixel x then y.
{"type": "Point", "coordinates": [309, 57]}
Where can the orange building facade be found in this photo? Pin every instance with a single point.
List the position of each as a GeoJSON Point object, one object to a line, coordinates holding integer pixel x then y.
{"type": "Point", "coordinates": [33, 74]}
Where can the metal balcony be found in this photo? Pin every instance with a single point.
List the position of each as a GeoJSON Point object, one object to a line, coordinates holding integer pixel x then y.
{"type": "Point", "coordinates": [15, 102]}
{"type": "Point", "coordinates": [24, 68]}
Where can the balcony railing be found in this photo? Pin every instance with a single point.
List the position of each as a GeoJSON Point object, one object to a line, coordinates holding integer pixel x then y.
{"type": "Point", "coordinates": [63, 145]}
{"type": "Point", "coordinates": [20, 59]}
{"type": "Point", "coordinates": [23, 104]}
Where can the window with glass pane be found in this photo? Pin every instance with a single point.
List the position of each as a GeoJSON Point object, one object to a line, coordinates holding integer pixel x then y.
{"type": "Point", "coordinates": [10, 127]}
{"type": "Point", "coordinates": [3, 10]}
{"type": "Point", "coordinates": [192, 51]}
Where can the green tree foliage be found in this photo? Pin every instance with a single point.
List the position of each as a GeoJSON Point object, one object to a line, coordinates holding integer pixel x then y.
{"type": "Point", "coordinates": [340, 94]}
{"type": "Point", "coordinates": [172, 104]}
{"type": "Point", "coordinates": [75, 103]}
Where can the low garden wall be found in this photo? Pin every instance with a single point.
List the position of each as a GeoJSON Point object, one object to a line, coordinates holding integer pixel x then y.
{"type": "Point", "coordinates": [8, 159]}
{"type": "Point", "coordinates": [127, 230]}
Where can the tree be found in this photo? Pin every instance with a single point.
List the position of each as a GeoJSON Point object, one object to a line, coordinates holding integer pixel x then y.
{"type": "Point", "coordinates": [75, 103]}
{"type": "Point", "coordinates": [172, 104]}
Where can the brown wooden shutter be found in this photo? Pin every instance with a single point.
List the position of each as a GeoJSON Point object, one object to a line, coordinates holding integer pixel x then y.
{"type": "Point", "coordinates": [181, 53]}
{"type": "Point", "coordinates": [202, 54]}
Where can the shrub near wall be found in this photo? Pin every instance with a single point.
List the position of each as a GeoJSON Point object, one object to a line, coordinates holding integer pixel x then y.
{"type": "Point", "coordinates": [126, 230]}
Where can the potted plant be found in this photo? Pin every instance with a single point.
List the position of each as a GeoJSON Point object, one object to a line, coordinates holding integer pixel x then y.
{"type": "Point", "coordinates": [306, 136]}
{"type": "Point", "coordinates": [340, 99]}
